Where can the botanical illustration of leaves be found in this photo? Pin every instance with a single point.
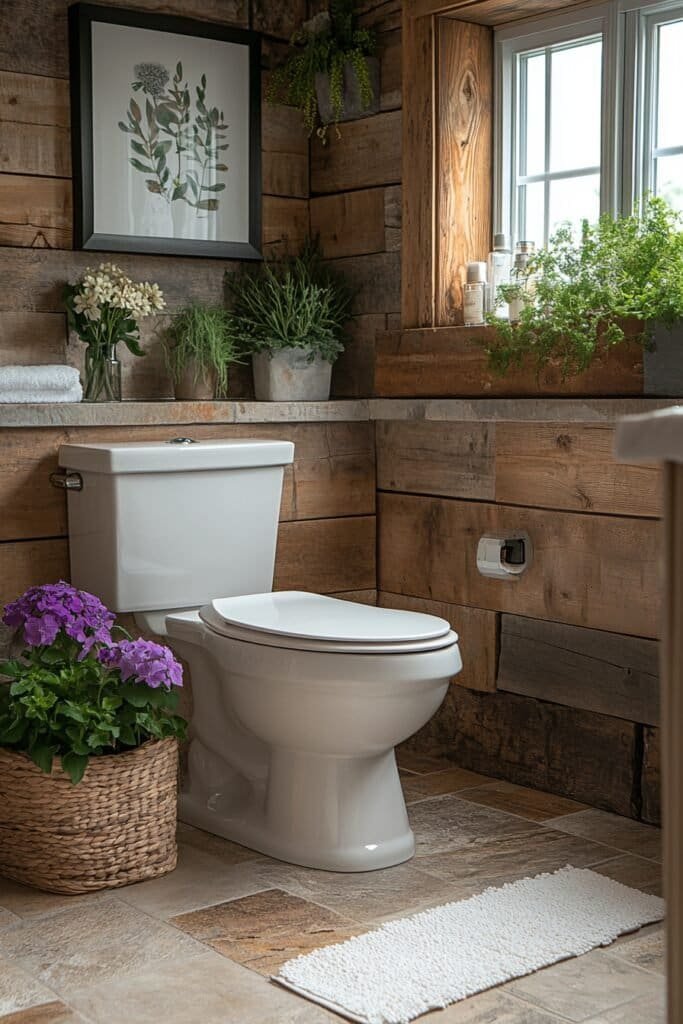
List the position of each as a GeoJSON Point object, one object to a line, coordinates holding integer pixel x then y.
{"type": "Point", "coordinates": [220, 167]}
{"type": "Point", "coordinates": [207, 204]}
{"type": "Point", "coordinates": [139, 166]}
{"type": "Point", "coordinates": [153, 185]}
{"type": "Point", "coordinates": [179, 191]}
{"type": "Point", "coordinates": [124, 127]}
{"type": "Point", "coordinates": [179, 70]}
{"type": "Point", "coordinates": [138, 148]}
{"type": "Point", "coordinates": [135, 111]}
{"type": "Point", "coordinates": [162, 148]}
{"type": "Point", "coordinates": [218, 187]}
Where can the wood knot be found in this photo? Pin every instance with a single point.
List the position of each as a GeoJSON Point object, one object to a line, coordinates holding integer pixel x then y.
{"type": "Point", "coordinates": [564, 442]}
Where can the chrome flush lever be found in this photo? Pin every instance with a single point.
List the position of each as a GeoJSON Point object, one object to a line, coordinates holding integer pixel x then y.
{"type": "Point", "coordinates": [67, 481]}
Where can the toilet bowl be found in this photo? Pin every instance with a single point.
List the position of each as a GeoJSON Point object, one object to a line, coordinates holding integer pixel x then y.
{"type": "Point", "coordinates": [299, 701]}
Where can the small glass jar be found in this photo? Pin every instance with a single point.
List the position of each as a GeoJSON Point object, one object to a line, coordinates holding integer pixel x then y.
{"type": "Point", "coordinates": [474, 295]}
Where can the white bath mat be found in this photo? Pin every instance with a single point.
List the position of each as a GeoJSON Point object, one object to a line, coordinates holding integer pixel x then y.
{"type": "Point", "coordinates": [407, 967]}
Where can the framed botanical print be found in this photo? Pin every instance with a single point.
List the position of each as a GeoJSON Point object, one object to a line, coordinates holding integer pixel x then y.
{"type": "Point", "coordinates": [166, 130]}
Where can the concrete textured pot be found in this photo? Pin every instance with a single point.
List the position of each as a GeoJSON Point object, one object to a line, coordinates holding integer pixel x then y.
{"type": "Point", "coordinates": [288, 376]}
{"type": "Point", "coordinates": [353, 106]}
{"type": "Point", "coordinates": [195, 384]}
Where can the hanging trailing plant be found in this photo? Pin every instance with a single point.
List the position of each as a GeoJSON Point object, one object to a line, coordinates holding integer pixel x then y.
{"type": "Point", "coordinates": [325, 45]}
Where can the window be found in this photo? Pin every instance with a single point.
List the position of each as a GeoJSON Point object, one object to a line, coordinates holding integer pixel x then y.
{"type": "Point", "coordinates": [588, 114]}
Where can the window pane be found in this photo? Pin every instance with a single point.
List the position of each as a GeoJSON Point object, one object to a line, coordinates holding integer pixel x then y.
{"type": "Point", "coordinates": [532, 123]}
{"type": "Point", "coordinates": [670, 85]}
{"type": "Point", "coordinates": [576, 92]}
{"type": "Point", "coordinates": [669, 179]}
{"type": "Point", "coordinates": [532, 212]}
{"type": "Point", "coordinates": [573, 200]}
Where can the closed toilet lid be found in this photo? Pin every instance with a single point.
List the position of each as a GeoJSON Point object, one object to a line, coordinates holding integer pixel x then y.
{"type": "Point", "coordinates": [307, 620]}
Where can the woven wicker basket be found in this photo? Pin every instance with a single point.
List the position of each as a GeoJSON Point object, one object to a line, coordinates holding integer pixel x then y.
{"type": "Point", "coordinates": [115, 827]}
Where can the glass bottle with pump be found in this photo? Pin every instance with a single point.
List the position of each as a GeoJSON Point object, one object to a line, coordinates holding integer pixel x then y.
{"type": "Point", "coordinates": [499, 267]}
{"type": "Point", "coordinates": [474, 294]}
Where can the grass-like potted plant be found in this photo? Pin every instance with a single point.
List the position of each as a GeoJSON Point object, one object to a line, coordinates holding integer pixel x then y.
{"type": "Point", "coordinates": [291, 315]}
{"type": "Point", "coordinates": [330, 73]}
{"type": "Point", "coordinates": [620, 281]}
{"type": "Point", "coordinates": [88, 747]}
{"type": "Point", "coordinates": [200, 345]}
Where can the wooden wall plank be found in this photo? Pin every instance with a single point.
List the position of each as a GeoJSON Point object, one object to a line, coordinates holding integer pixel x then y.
{"type": "Point", "coordinates": [353, 373]}
{"type": "Point", "coordinates": [561, 750]}
{"type": "Point", "coordinates": [605, 673]}
{"type": "Point", "coordinates": [332, 476]}
{"type": "Point", "coordinates": [651, 782]}
{"type": "Point", "coordinates": [26, 564]}
{"type": "Point", "coordinates": [417, 266]}
{"type": "Point", "coordinates": [464, 158]}
{"type": "Point", "coordinates": [349, 223]}
{"type": "Point", "coordinates": [285, 225]}
{"type": "Point", "coordinates": [284, 153]}
{"type": "Point", "coordinates": [389, 52]}
{"type": "Point", "coordinates": [393, 210]}
{"type": "Point", "coordinates": [436, 457]}
{"type": "Point", "coordinates": [35, 149]}
{"type": "Point", "coordinates": [35, 211]}
{"type": "Point", "coordinates": [326, 555]}
{"type": "Point", "coordinates": [32, 338]}
{"type": "Point", "coordinates": [376, 279]}
{"type": "Point", "coordinates": [451, 362]}
{"type": "Point", "coordinates": [34, 99]}
{"type": "Point", "coordinates": [489, 12]}
{"type": "Point", "coordinates": [367, 153]}
{"type": "Point", "coordinates": [278, 18]}
{"type": "Point", "coordinates": [572, 465]}
{"type": "Point", "coordinates": [596, 571]}
{"type": "Point", "coordinates": [478, 633]}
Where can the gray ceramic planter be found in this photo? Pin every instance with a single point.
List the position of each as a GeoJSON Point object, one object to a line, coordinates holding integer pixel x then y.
{"type": "Point", "coordinates": [353, 105]}
{"type": "Point", "coordinates": [287, 376]}
{"type": "Point", "coordinates": [195, 385]}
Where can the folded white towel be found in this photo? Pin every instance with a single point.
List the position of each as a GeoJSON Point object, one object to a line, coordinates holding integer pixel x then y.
{"type": "Point", "coordinates": [36, 397]}
{"type": "Point", "coordinates": [38, 378]}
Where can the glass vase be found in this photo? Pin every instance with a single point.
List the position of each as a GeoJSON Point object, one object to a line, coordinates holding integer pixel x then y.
{"type": "Point", "coordinates": [102, 375]}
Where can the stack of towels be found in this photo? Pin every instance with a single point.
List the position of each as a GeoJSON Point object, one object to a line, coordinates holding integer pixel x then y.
{"type": "Point", "coordinates": [40, 384]}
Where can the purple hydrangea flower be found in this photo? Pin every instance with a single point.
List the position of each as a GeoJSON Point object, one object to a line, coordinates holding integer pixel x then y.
{"type": "Point", "coordinates": [144, 661]}
{"type": "Point", "coordinates": [43, 611]}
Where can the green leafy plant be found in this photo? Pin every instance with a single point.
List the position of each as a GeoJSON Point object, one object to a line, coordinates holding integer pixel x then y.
{"type": "Point", "coordinates": [205, 336]}
{"type": "Point", "coordinates": [324, 45]}
{"type": "Point", "coordinates": [179, 153]}
{"type": "Point", "coordinates": [74, 691]}
{"type": "Point", "coordinates": [291, 303]}
{"type": "Point", "coordinates": [616, 281]}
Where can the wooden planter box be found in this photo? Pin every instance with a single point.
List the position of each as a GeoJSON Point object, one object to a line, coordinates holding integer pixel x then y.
{"type": "Point", "coordinates": [451, 362]}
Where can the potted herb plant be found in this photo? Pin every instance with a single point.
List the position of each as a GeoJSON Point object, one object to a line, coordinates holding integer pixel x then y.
{"type": "Point", "coordinates": [88, 747]}
{"type": "Point", "coordinates": [291, 315]}
{"type": "Point", "coordinates": [103, 308]}
{"type": "Point", "coordinates": [330, 73]}
{"type": "Point", "coordinates": [200, 345]}
{"type": "Point", "coordinates": [621, 281]}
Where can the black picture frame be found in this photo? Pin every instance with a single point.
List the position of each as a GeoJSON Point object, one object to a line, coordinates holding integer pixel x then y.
{"type": "Point", "coordinates": [81, 18]}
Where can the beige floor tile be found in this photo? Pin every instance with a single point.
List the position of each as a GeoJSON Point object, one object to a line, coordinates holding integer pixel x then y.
{"type": "Point", "coordinates": [208, 990]}
{"type": "Point", "coordinates": [448, 823]}
{"type": "Point", "coordinates": [646, 950]}
{"type": "Point", "coordinates": [479, 865]}
{"type": "Point", "coordinates": [492, 1007]}
{"type": "Point", "coordinates": [92, 942]}
{"type": "Point", "coordinates": [365, 896]}
{"type": "Point", "coordinates": [585, 986]}
{"type": "Point", "coordinates": [421, 764]}
{"type": "Point", "coordinates": [527, 803]}
{"type": "Point", "coordinates": [265, 930]}
{"type": "Point", "coordinates": [19, 989]}
{"type": "Point", "coordinates": [7, 918]}
{"type": "Point", "coordinates": [650, 1009]}
{"type": "Point", "coordinates": [25, 901]}
{"type": "Point", "coordinates": [418, 787]}
{"type": "Point", "coordinates": [622, 833]}
{"type": "Point", "coordinates": [637, 872]}
{"type": "Point", "coordinates": [46, 1013]}
{"type": "Point", "coordinates": [199, 880]}
{"type": "Point", "coordinates": [230, 853]}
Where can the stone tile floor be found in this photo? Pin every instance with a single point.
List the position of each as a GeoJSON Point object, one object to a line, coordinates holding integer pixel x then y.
{"type": "Point", "coordinates": [197, 946]}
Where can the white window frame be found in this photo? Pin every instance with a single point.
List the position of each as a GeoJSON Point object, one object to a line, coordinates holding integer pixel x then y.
{"type": "Point", "coordinates": [627, 28]}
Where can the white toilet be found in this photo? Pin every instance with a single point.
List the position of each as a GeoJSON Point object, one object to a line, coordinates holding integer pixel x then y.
{"type": "Point", "coordinates": [298, 699]}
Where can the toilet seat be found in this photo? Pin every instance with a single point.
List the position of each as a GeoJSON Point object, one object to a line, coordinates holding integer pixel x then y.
{"type": "Point", "coordinates": [297, 620]}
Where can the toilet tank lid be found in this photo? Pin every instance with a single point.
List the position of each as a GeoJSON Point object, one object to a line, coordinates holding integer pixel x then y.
{"type": "Point", "coordinates": [177, 454]}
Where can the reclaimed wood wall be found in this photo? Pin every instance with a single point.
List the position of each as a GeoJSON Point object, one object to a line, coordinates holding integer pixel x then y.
{"type": "Point", "coordinates": [560, 687]}
{"type": "Point", "coordinates": [35, 185]}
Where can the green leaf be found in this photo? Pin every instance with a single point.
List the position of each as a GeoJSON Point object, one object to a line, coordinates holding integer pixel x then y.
{"type": "Point", "coordinates": [138, 148]}
{"type": "Point", "coordinates": [179, 191]}
{"type": "Point", "coordinates": [74, 765]}
{"type": "Point", "coordinates": [11, 668]}
{"type": "Point", "coordinates": [21, 686]}
{"type": "Point", "coordinates": [128, 736]}
{"type": "Point", "coordinates": [133, 345]}
{"type": "Point", "coordinates": [136, 695]}
{"type": "Point", "coordinates": [14, 732]}
{"type": "Point", "coordinates": [162, 148]}
{"type": "Point", "coordinates": [179, 70]}
{"type": "Point", "coordinates": [139, 166]}
{"type": "Point", "coordinates": [42, 756]}
{"type": "Point", "coordinates": [218, 187]}
{"type": "Point", "coordinates": [124, 127]}
{"type": "Point", "coordinates": [135, 111]}
{"type": "Point", "coordinates": [220, 167]}
{"type": "Point", "coordinates": [207, 204]}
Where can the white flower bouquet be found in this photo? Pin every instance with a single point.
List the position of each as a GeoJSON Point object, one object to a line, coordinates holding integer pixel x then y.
{"type": "Point", "coordinates": [104, 308]}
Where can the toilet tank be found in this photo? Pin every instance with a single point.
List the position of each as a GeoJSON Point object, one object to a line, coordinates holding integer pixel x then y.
{"type": "Point", "coordinates": [173, 524]}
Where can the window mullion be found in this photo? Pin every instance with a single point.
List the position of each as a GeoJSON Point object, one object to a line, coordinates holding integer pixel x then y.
{"type": "Point", "coordinates": [548, 121]}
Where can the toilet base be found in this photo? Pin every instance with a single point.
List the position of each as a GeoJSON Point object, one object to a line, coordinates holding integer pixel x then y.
{"type": "Point", "coordinates": [320, 811]}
